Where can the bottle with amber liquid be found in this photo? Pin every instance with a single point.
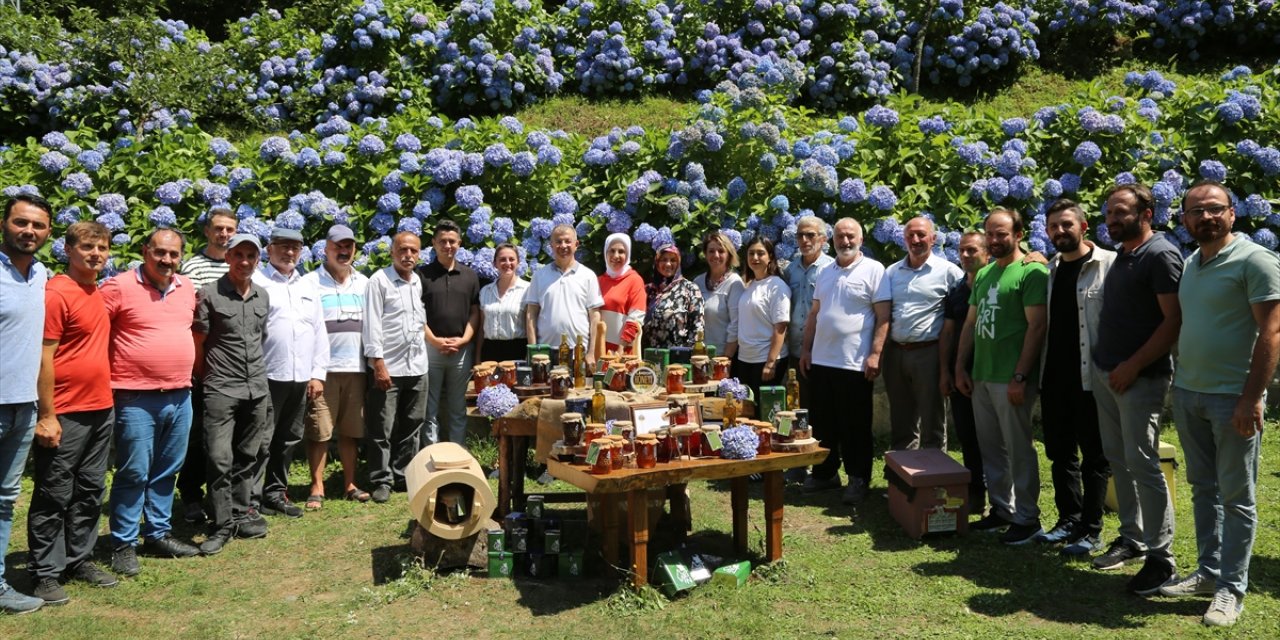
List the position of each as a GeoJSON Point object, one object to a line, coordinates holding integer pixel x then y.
{"type": "Point", "coordinates": [566, 352]}
{"type": "Point", "coordinates": [597, 403]}
{"type": "Point", "coordinates": [580, 372]}
{"type": "Point", "coordinates": [793, 390]}
{"type": "Point", "coordinates": [699, 346]}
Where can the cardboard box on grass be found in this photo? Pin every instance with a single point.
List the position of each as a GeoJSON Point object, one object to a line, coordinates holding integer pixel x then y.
{"type": "Point", "coordinates": [735, 574]}
{"type": "Point", "coordinates": [501, 564]}
{"type": "Point", "coordinates": [928, 492]}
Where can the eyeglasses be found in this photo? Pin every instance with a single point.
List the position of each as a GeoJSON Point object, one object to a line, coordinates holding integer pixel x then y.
{"type": "Point", "coordinates": [1212, 211]}
{"type": "Point", "coordinates": [807, 235]}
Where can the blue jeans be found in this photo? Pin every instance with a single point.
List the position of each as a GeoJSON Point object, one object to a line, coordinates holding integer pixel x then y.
{"type": "Point", "coordinates": [151, 444]}
{"type": "Point", "coordinates": [1222, 469]}
{"type": "Point", "coordinates": [447, 380]}
{"type": "Point", "coordinates": [17, 426]}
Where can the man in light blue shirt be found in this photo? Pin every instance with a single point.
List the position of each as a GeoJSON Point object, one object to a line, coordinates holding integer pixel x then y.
{"type": "Point", "coordinates": [26, 228]}
{"type": "Point", "coordinates": [801, 275]}
{"type": "Point", "coordinates": [912, 294]}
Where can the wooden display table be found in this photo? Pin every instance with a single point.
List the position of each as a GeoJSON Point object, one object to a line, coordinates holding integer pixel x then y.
{"type": "Point", "coordinates": [514, 437]}
{"type": "Point", "coordinates": [635, 484]}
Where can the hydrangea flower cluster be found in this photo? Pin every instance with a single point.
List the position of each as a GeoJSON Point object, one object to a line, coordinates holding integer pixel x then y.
{"type": "Point", "coordinates": [496, 401]}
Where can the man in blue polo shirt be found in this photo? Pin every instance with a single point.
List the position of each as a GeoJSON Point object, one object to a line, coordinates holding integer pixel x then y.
{"type": "Point", "coordinates": [1227, 351]}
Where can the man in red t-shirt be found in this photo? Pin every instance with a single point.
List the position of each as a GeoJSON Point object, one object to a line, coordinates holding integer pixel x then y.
{"type": "Point", "coordinates": [76, 415]}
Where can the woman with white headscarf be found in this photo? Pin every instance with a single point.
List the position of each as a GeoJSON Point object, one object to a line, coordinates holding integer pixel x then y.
{"type": "Point", "coordinates": [623, 291]}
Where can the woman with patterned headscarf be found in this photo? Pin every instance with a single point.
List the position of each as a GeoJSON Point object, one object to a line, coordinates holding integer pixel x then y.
{"type": "Point", "coordinates": [675, 314]}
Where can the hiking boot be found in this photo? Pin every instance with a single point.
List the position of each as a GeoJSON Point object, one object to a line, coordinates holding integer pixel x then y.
{"type": "Point", "coordinates": [252, 526]}
{"type": "Point", "coordinates": [991, 522]}
{"type": "Point", "coordinates": [124, 560]}
{"type": "Point", "coordinates": [1120, 553]}
{"type": "Point", "coordinates": [15, 603]}
{"type": "Point", "coordinates": [51, 592]}
{"type": "Point", "coordinates": [1060, 532]}
{"type": "Point", "coordinates": [814, 484]}
{"type": "Point", "coordinates": [1196, 584]}
{"type": "Point", "coordinates": [1082, 546]}
{"type": "Point", "coordinates": [1154, 574]}
{"type": "Point", "coordinates": [1224, 610]}
{"type": "Point", "coordinates": [168, 547]}
{"type": "Point", "coordinates": [855, 493]}
{"type": "Point", "coordinates": [92, 574]}
{"type": "Point", "coordinates": [1019, 534]}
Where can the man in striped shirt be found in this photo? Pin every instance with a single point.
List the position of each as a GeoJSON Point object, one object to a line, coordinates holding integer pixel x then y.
{"type": "Point", "coordinates": [202, 268]}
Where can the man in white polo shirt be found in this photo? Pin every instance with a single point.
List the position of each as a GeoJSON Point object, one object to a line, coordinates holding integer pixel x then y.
{"type": "Point", "coordinates": [843, 337]}
{"type": "Point", "coordinates": [564, 298]}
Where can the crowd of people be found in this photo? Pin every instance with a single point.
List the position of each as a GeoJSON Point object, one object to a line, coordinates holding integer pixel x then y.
{"type": "Point", "coordinates": [207, 373]}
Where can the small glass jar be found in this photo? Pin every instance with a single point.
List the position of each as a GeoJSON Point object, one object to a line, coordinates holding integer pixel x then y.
{"type": "Point", "coordinates": [628, 433]}
{"type": "Point", "coordinates": [607, 360]}
{"type": "Point", "coordinates": [707, 451]}
{"type": "Point", "coordinates": [560, 383]}
{"type": "Point", "coordinates": [524, 375]}
{"type": "Point", "coordinates": [541, 366]}
{"type": "Point", "coordinates": [646, 451]}
{"type": "Point", "coordinates": [617, 377]}
{"type": "Point", "coordinates": [801, 429]}
{"type": "Point", "coordinates": [677, 409]}
{"type": "Point", "coordinates": [689, 439]}
{"type": "Point", "coordinates": [507, 373]}
{"type": "Point", "coordinates": [604, 460]}
{"type": "Point", "coordinates": [765, 438]}
{"type": "Point", "coordinates": [701, 369]}
{"type": "Point", "coordinates": [668, 448]}
{"type": "Point", "coordinates": [572, 427]}
{"type": "Point", "coordinates": [631, 362]}
{"type": "Point", "coordinates": [783, 425]}
{"type": "Point", "coordinates": [720, 368]}
{"type": "Point", "coordinates": [616, 451]}
{"type": "Point", "coordinates": [480, 376]}
{"type": "Point", "coordinates": [675, 378]}
{"type": "Point", "coordinates": [594, 431]}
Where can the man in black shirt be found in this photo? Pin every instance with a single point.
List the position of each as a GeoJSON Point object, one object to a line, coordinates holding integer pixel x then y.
{"type": "Point", "coordinates": [955, 308]}
{"type": "Point", "coordinates": [451, 295]}
{"type": "Point", "coordinates": [1068, 413]}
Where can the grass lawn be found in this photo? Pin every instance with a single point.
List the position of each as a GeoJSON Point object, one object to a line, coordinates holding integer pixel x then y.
{"type": "Point", "coordinates": [341, 573]}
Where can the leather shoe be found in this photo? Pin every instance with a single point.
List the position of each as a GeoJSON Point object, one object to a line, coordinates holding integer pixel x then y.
{"type": "Point", "coordinates": [214, 543]}
{"type": "Point", "coordinates": [280, 506]}
{"type": "Point", "coordinates": [168, 547]}
{"type": "Point", "coordinates": [381, 494]}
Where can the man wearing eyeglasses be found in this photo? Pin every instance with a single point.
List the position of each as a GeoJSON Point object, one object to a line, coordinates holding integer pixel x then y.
{"type": "Point", "coordinates": [394, 332]}
{"type": "Point", "coordinates": [341, 406]}
{"type": "Point", "coordinates": [1227, 352]}
{"type": "Point", "coordinates": [911, 295]}
{"type": "Point", "coordinates": [296, 349]}
{"type": "Point", "coordinates": [1131, 372]}
{"type": "Point", "coordinates": [801, 275]}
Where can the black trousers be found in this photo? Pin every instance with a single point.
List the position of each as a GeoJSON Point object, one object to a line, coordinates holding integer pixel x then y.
{"type": "Point", "coordinates": [841, 416]}
{"type": "Point", "coordinates": [235, 432]}
{"type": "Point", "coordinates": [394, 418]}
{"type": "Point", "coordinates": [70, 484]}
{"type": "Point", "coordinates": [751, 374]}
{"type": "Point", "coordinates": [288, 405]}
{"type": "Point", "coordinates": [1070, 420]}
{"type": "Point", "coordinates": [967, 433]}
{"type": "Point", "coordinates": [191, 479]}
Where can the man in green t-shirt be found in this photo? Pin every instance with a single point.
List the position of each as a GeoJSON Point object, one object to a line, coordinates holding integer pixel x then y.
{"type": "Point", "coordinates": [1004, 332]}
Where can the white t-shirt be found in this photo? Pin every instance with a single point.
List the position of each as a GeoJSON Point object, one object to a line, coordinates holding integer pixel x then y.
{"type": "Point", "coordinates": [763, 304]}
{"type": "Point", "coordinates": [502, 317]}
{"type": "Point", "coordinates": [563, 299]}
{"type": "Point", "coordinates": [846, 313]}
{"type": "Point", "coordinates": [720, 313]}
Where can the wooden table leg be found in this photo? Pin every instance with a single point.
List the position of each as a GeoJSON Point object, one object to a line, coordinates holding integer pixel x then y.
{"type": "Point", "coordinates": [738, 499]}
{"type": "Point", "coordinates": [638, 528]}
{"type": "Point", "coordinates": [609, 527]}
{"type": "Point", "coordinates": [504, 475]}
{"type": "Point", "coordinates": [773, 515]}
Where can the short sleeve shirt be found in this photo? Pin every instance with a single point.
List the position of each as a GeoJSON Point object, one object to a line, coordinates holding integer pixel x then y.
{"type": "Point", "coordinates": [917, 295]}
{"type": "Point", "coordinates": [1130, 310]}
{"type": "Point", "coordinates": [234, 328]}
{"type": "Point", "coordinates": [846, 313]}
{"type": "Point", "coordinates": [1002, 294]}
{"type": "Point", "coordinates": [763, 304]}
{"type": "Point", "coordinates": [151, 344]}
{"type": "Point", "coordinates": [502, 317]}
{"type": "Point", "coordinates": [449, 295]}
{"type": "Point", "coordinates": [1215, 346]}
{"type": "Point", "coordinates": [563, 299]}
{"type": "Point", "coordinates": [343, 306]}
{"type": "Point", "coordinates": [956, 309]}
{"type": "Point", "coordinates": [21, 318]}
{"type": "Point", "coordinates": [801, 279]}
{"type": "Point", "coordinates": [76, 318]}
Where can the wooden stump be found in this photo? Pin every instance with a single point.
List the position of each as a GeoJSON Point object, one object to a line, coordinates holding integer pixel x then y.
{"type": "Point", "coordinates": [438, 553]}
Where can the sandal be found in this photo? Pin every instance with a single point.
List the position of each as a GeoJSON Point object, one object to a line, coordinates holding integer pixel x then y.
{"type": "Point", "coordinates": [314, 503]}
{"type": "Point", "coordinates": [359, 495]}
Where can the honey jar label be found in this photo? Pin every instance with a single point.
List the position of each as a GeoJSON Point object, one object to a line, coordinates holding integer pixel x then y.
{"type": "Point", "coordinates": [784, 425]}
{"type": "Point", "coordinates": [593, 453]}
{"type": "Point", "coordinates": [713, 439]}
{"type": "Point", "coordinates": [609, 375]}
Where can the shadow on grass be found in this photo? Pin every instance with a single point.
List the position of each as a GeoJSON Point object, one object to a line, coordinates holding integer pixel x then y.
{"type": "Point", "coordinates": [1264, 575]}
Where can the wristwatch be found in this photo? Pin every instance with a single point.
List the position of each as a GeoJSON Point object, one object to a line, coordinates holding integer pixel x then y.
{"type": "Point", "coordinates": [1019, 377]}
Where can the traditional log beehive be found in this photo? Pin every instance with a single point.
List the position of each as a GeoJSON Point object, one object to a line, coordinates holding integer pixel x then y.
{"type": "Point", "coordinates": [448, 493]}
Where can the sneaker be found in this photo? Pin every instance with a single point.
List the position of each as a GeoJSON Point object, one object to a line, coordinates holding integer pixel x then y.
{"type": "Point", "coordinates": [814, 484]}
{"type": "Point", "coordinates": [381, 494]}
{"type": "Point", "coordinates": [193, 513]}
{"type": "Point", "coordinates": [1154, 574]}
{"type": "Point", "coordinates": [1196, 584]}
{"type": "Point", "coordinates": [1120, 553]}
{"type": "Point", "coordinates": [546, 478]}
{"type": "Point", "coordinates": [15, 603]}
{"type": "Point", "coordinates": [1082, 547]}
{"type": "Point", "coordinates": [215, 542]}
{"type": "Point", "coordinates": [252, 526]}
{"type": "Point", "coordinates": [92, 574]}
{"type": "Point", "coordinates": [124, 560]}
{"type": "Point", "coordinates": [795, 475]}
{"type": "Point", "coordinates": [1060, 532]}
{"type": "Point", "coordinates": [991, 522]}
{"type": "Point", "coordinates": [855, 493]}
{"type": "Point", "coordinates": [280, 506]}
{"type": "Point", "coordinates": [51, 592]}
{"type": "Point", "coordinates": [1019, 534]}
{"type": "Point", "coordinates": [1224, 610]}
{"type": "Point", "coordinates": [168, 547]}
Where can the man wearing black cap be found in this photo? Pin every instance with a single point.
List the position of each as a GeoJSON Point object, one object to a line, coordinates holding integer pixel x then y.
{"type": "Point", "coordinates": [231, 317]}
{"type": "Point", "coordinates": [296, 349]}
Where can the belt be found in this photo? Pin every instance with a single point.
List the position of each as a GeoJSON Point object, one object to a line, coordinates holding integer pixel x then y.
{"type": "Point", "coordinates": [912, 346]}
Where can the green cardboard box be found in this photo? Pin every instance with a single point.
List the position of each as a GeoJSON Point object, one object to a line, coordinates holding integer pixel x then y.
{"type": "Point", "coordinates": [672, 574]}
{"type": "Point", "coordinates": [571, 564]}
{"type": "Point", "coordinates": [735, 574]}
{"type": "Point", "coordinates": [772, 399]}
{"type": "Point", "coordinates": [551, 541]}
{"type": "Point", "coordinates": [541, 565]}
{"type": "Point", "coordinates": [497, 540]}
{"type": "Point", "coordinates": [533, 506]}
{"type": "Point", "coordinates": [501, 564]}
{"type": "Point", "coordinates": [660, 358]}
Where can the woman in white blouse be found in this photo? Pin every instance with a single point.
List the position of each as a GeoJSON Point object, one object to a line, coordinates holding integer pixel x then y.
{"type": "Point", "coordinates": [764, 311]}
{"type": "Point", "coordinates": [721, 288]}
{"type": "Point", "coordinates": [502, 334]}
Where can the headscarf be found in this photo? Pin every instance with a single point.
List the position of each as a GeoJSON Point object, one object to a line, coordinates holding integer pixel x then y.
{"type": "Point", "coordinates": [626, 266]}
{"type": "Point", "coordinates": [660, 284]}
